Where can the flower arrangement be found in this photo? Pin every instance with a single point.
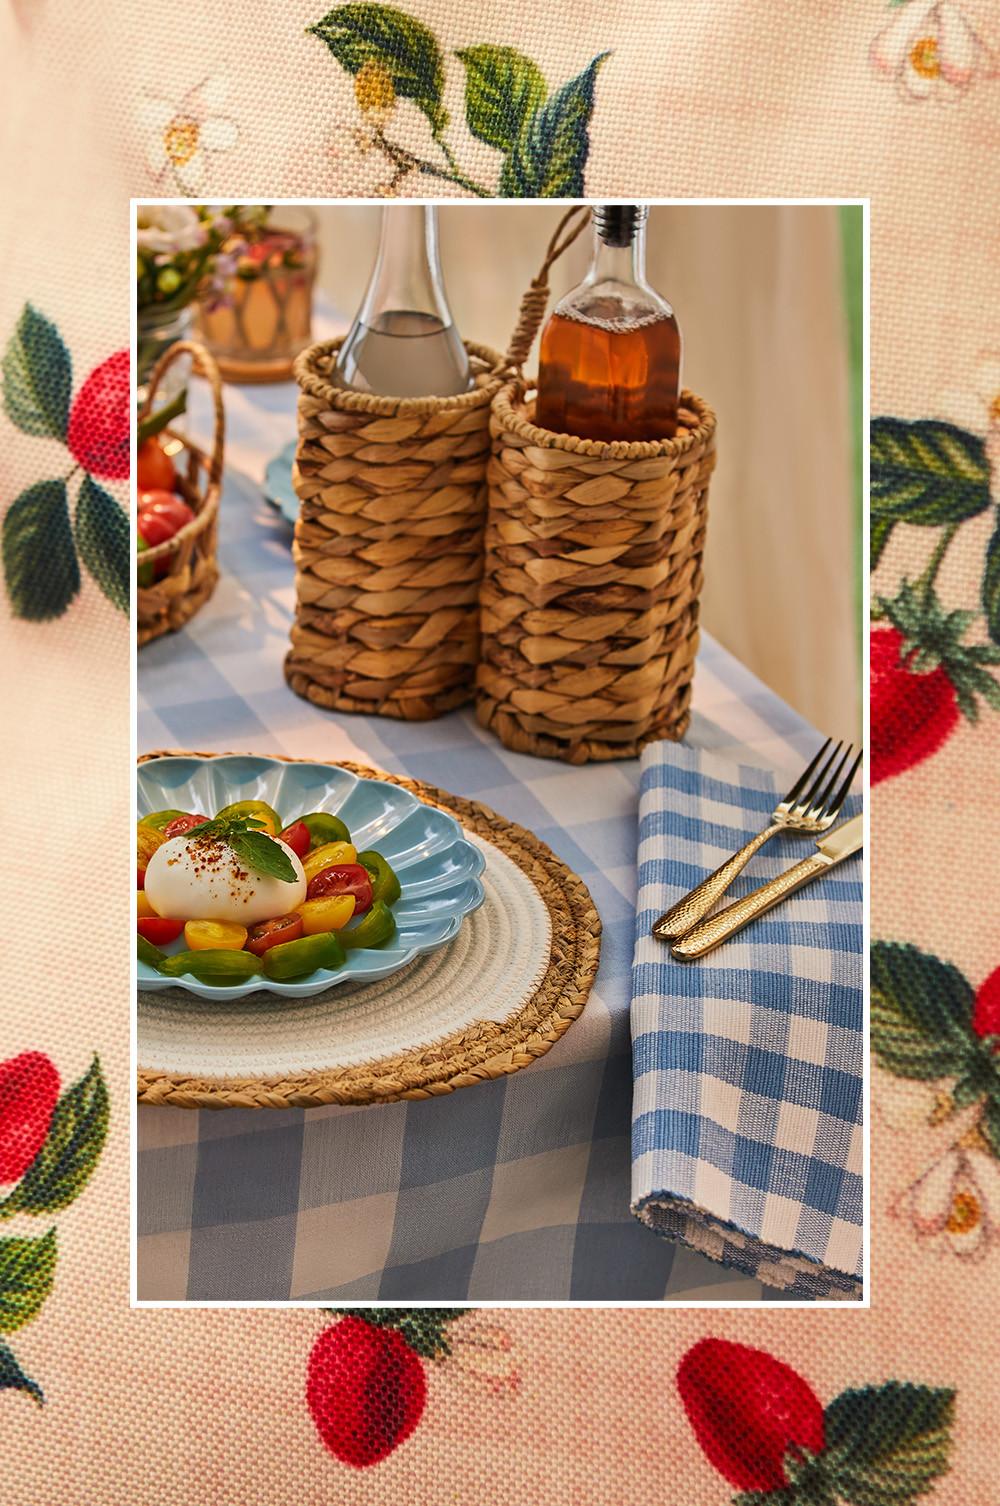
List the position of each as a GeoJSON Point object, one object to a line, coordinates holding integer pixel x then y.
{"type": "Point", "coordinates": [187, 251]}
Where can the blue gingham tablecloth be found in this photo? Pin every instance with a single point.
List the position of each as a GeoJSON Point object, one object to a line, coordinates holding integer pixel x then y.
{"type": "Point", "coordinates": [747, 1116]}
{"type": "Point", "coordinates": [510, 1190]}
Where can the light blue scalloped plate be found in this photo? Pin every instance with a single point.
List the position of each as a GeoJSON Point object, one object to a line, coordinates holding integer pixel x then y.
{"type": "Point", "coordinates": [438, 868]}
{"type": "Point", "coordinates": [278, 488]}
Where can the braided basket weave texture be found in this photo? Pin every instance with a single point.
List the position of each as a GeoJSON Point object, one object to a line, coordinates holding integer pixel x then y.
{"type": "Point", "coordinates": [388, 543]}
{"type": "Point", "coordinates": [589, 600]}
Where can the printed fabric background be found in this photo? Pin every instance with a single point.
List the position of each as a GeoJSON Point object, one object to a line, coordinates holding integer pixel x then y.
{"type": "Point", "coordinates": [900, 102]}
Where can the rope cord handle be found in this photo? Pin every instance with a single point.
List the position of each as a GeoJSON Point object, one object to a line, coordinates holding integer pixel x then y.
{"type": "Point", "coordinates": [536, 299]}
{"type": "Point", "coordinates": [202, 364]}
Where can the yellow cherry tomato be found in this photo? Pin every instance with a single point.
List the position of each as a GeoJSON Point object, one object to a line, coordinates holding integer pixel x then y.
{"type": "Point", "coordinates": [147, 840]}
{"type": "Point", "coordinates": [326, 856]}
{"type": "Point", "coordinates": [210, 935]}
{"type": "Point", "coordinates": [259, 810]}
{"type": "Point", "coordinates": [327, 914]}
{"type": "Point", "coordinates": [142, 905]}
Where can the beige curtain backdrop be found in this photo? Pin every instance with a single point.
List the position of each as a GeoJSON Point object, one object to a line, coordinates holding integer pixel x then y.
{"type": "Point", "coordinates": [758, 292]}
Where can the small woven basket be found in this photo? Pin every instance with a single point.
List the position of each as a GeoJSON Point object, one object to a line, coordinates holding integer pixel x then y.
{"type": "Point", "coordinates": [189, 557]}
{"type": "Point", "coordinates": [388, 542]}
{"type": "Point", "coordinates": [589, 599]}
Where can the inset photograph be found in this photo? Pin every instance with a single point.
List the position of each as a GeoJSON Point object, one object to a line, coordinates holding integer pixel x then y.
{"type": "Point", "coordinates": [499, 618]}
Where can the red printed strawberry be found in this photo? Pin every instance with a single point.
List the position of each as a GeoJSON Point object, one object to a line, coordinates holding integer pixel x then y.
{"type": "Point", "coordinates": [923, 679]}
{"type": "Point", "coordinates": [29, 1088]}
{"type": "Point", "coordinates": [98, 433]}
{"type": "Point", "coordinates": [986, 1010]}
{"type": "Point", "coordinates": [749, 1412]}
{"type": "Point", "coordinates": [366, 1390]}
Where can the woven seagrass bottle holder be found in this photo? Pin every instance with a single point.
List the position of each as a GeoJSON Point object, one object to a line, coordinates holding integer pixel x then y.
{"type": "Point", "coordinates": [389, 542]}
{"type": "Point", "coordinates": [593, 567]}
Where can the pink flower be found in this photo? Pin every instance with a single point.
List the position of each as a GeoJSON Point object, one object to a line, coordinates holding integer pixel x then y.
{"type": "Point", "coordinates": [929, 47]}
{"type": "Point", "coordinates": [956, 1203]}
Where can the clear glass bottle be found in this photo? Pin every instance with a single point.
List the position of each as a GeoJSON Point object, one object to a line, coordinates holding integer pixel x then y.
{"type": "Point", "coordinates": [609, 364]}
{"type": "Point", "coordinates": [403, 342]}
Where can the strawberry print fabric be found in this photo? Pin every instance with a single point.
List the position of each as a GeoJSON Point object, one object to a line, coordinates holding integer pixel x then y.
{"type": "Point", "coordinates": [897, 102]}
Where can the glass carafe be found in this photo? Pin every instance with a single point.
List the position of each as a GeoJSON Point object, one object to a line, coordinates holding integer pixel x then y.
{"type": "Point", "coordinates": [403, 342]}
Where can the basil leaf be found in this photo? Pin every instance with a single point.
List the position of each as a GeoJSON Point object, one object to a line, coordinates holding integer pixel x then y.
{"type": "Point", "coordinates": [262, 854]}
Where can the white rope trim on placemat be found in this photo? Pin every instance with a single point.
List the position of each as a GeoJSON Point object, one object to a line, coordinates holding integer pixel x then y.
{"type": "Point", "coordinates": [495, 963]}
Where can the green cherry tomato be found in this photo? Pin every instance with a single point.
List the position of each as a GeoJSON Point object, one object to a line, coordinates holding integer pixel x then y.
{"type": "Point", "coordinates": [324, 828]}
{"type": "Point", "coordinates": [159, 819]}
{"type": "Point", "coordinates": [385, 884]}
{"type": "Point", "coordinates": [148, 953]}
{"type": "Point", "coordinates": [293, 959]}
{"type": "Point", "coordinates": [220, 965]}
{"type": "Point", "coordinates": [257, 809]}
{"type": "Point", "coordinates": [376, 929]}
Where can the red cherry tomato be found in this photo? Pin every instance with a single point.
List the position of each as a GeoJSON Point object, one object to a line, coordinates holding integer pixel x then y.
{"type": "Point", "coordinates": [158, 930]}
{"type": "Point", "coordinates": [154, 467]}
{"type": "Point", "coordinates": [167, 505]}
{"type": "Point", "coordinates": [297, 837]}
{"type": "Point", "coordinates": [180, 824]}
{"type": "Point", "coordinates": [343, 878]}
{"type": "Point", "coordinates": [268, 933]}
{"type": "Point", "coordinates": [140, 878]}
{"type": "Point", "coordinates": [155, 528]}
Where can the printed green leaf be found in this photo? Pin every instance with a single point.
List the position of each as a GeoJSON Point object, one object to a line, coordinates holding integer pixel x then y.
{"type": "Point", "coordinates": [921, 1014]}
{"type": "Point", "coordinates": [39, 557]}
{"type": "Point", "coordinates": [365, 32]}
{"type": "Point", "coordinates": [37, 377]}
{"type": "Point", "coordinates": [27, 1271]}
{"type": "Point", "coordinates": [69, 1152]}
{"type": "Point", "coordinates": [102, 537]}
{"type": "Point", "coordinates": [926, 472]}
{"type": "Point", "coordinates": [989, 1124]}
{"type": "Point", "coordinates": [502, 89]}
{"type": "Point", "coordinates": [422, 1328]}
{"type": "Point", "coordinates": [13, 1378]}
{"type": "Point", "coordinates": [881, 532]}
{"type": "Point", "coordinates": [886, 1445]}
{"type": "Point", "coordinates": [991, 587]}
{"type": "Point", "coordinates": [549, 158]}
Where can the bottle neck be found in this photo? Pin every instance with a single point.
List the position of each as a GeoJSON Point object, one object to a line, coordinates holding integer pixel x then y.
{"type": "Point", "coordinates": [407, 273]}
{"type": "Point", "coordinates": [612, 262]}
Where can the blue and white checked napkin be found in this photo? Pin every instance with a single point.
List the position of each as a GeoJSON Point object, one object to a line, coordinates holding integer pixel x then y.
{"type": "Point", "coordinates": [748, 1064]}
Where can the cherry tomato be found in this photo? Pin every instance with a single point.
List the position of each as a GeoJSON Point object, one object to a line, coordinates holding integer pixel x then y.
{"type": "Point", "coordinates": [343, 878]}
{"type": "Point", "coordinates": [165, 505]}
{"type": "Point", "coordinates": [257, 810]}
{"type": "Point", "coordinates": [158, 929]}
{"type": "Point", "coordinates": [327, 856]}
{"type": "Point", "coordinates": [155, 530]}
{"type": "Point", "coordinates": [180, 824]}
{"type": "Point", "coordinates": [268, 933]}
{"type": "Point", "coordinates": [210, 935]}
{"type": "Point", "coordinates": [327, 914]}
{"type": "Point", "coordinates": [297, 838]}
{"type": "Point", "coordinates": [147, 840]}
{"type": "Point", "coordinates": [142, 905]}
{"type": "Point", "coordinates": [154, 469]}
{"type": "Point", "coordinates": [140, 878]}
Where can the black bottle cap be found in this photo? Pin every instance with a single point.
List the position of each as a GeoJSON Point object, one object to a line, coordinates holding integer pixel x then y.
{"type": "Point", "coordinates": [617, 223]}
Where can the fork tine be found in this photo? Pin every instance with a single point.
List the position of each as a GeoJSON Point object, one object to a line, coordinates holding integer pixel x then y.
{"type": "Point", "coordinates": [800, 783]}
{"type": "Point", "coordinates": [834, 771]}
{"type": "Point", "coordinates": [808, 801]}
{"type": "Point", "coordinates": [833, 807]}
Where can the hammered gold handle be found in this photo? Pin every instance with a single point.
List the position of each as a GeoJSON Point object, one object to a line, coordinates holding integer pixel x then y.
{"type": "Point", "coordinates": [718, 928]}
{"type": "Point", "coordinates": [679, 919]}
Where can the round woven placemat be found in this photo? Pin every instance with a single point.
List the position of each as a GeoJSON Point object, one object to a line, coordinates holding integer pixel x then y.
{"type": "Point", "coordinates": [476, 1054]}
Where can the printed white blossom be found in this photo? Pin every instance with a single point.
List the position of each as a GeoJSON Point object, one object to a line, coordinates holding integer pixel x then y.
{"type": "Point", "coordinates": [181, 136]}
{"type": "Point", "coordinates": [929, 47]}
{"type": "Point", "coordinates": [956, 1203]}
{"type": "Point", "coordinates": [487, 1353]}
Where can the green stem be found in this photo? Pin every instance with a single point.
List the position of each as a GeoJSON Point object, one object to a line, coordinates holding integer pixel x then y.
{"type": "Point", "coordinates": [925, 584]}
{"type": "Point", "coordinates": [401, 158]}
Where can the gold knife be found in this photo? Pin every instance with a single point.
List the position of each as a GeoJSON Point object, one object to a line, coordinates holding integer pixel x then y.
{"type": "Point", "coordinates": [833, 847]}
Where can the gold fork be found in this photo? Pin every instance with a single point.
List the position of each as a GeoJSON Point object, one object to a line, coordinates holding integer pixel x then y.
{"type": "Point", "coordinates": [811, 806]}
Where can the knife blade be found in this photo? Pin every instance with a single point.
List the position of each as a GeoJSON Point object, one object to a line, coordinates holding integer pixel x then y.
{"type": "Point", "coordinates": [831, 848]}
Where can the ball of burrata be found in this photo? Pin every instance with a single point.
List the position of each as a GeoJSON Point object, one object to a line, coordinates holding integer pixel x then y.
{"type": "Point", "coordinates": [201, 878]}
